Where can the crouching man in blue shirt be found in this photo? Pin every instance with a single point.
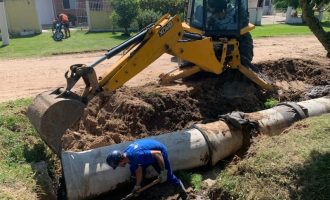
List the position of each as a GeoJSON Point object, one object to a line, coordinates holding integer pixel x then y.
{"type": "Point", "coordinates": [141, 154]}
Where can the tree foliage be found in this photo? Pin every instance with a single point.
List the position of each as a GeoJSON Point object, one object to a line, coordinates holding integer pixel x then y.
{"type": "Point", "coordinates": [152, 10]}
{"type": "Point", "coordinates": [147, 17]}
{"type": "Point", "coordinates": [125, 12]}
{"type": "Point", "coordinates": [169, 6]}
{"type": "Point", "coordinates": [308, 9]}
{"type": "Point", "coordinates": [283, 4]}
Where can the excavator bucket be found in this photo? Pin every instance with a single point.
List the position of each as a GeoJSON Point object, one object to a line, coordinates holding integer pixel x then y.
{"type": "Point", "coordinates": [52, 115]}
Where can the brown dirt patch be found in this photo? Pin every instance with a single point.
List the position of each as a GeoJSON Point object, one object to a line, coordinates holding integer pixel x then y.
{"type": "Point", "coordinates": [297, 77]}
{"type": "Point", "coordinates": [137, 112]}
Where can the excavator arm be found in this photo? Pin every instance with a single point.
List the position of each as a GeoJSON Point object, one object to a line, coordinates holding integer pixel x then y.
{"type": "Point", "coordinates": [53, 112]}
{"type": "Point", "coordinates": [166, 36]}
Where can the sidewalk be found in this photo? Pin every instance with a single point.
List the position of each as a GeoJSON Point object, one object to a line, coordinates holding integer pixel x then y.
{"type": "Point", "coordinates": [272, 19]}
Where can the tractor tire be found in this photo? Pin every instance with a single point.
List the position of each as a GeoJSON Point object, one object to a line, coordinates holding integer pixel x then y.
{"type": "Point", "coordinates": [246, 51]}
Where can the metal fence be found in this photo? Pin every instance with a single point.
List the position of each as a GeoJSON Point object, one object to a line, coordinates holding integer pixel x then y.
{"type": "Point", "coordinates": [81, 13]}
{"type": "Point", "coordinates": [94, 5]}
{"type": "Point", "coordinates": [99, 5]}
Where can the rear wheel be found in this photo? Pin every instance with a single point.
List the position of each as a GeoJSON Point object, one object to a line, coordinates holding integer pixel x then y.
{"type": "Point", "coordinates": [58, 36]}
{"type": "Point", "coordinates": [246, 51]}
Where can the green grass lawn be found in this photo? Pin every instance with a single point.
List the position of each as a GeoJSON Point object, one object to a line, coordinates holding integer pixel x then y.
{"type": "Point", "coordinates": [20, 148]}
{"type": "Point", "coordinates": [284, 30]}
{"type": "Point", "coordinates": [294, 165]}
{"type": "Point", "coordinates": [43, 44]}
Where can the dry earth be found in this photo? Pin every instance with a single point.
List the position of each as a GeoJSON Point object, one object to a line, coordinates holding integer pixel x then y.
{"type": "Point", "coordinates": [142, 108]}
{"type": "Point", "coordinates": [27, 77]}
{"type": "Point", "coordinates": [145, 109]}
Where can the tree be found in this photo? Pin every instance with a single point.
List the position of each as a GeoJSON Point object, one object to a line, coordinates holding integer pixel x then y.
{"type": "Point", "coordinates": [285, 3]}
{"type": "Point", "coordinates": [126, 12]}
{"type": "Point", "coordinates": [308, 9]}
{"type": "Point", "coordinates": [152, 10]}
{"type": "Point", "coordinates": [147, 17]}
{"type": "Point", "coordinates": [169, 6]}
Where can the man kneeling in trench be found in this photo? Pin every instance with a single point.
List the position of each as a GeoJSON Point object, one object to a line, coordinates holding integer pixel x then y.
{"type": "Point", "coordinates": [141, 154]}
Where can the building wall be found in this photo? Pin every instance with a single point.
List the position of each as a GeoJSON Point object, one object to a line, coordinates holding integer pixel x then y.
{"type": "Point", "coordinates": [45, 11]}
{"type": "Point", "coordinates": [22, 16]}
{"type": "Point", "coordinates": [253, 3]}
{"type": "Point", "coordinates": [267, 7]}
{"type": "Point", "coordinates": [255, 11]}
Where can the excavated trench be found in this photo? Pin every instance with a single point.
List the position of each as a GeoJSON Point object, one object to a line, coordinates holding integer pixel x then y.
{"type": "Point", "coordinates": [137, 112]}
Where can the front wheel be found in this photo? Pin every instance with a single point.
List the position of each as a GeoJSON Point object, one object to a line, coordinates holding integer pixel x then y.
{"type": "Point", "coordinates": [58, 36]}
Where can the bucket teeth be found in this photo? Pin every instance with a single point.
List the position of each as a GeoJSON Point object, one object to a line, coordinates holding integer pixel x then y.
{"type": "Point", "coordinates": [52, 116]}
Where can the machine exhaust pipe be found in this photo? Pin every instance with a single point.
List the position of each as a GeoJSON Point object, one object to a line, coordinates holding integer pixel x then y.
{"type": "Point", "coordinates": [87, 174]}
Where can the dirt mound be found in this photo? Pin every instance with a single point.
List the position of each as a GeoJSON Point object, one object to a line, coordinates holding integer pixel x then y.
{"type": "Point", "coordinates": [298, 79]}
{"type": "Point", "coordinates": [308, 71]}
{"type": "Point", "coordinates": [136, 112]}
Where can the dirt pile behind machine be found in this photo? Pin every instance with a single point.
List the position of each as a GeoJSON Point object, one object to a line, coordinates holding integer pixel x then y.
{"type": "Point", "coordinates": [203, 42]}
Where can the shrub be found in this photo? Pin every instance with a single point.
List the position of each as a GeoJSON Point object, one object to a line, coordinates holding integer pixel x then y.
{"type": "Point", "coordinates": [147, 17]}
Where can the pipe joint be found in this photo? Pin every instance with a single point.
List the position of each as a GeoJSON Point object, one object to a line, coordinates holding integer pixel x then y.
{"type": "Point", "coordinates": [301, 111]}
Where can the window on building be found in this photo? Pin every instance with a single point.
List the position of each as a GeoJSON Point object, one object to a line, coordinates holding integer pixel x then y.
{"type": "Point", "coordinates": [96, 5]}
{"type": "Point", "coordinates": [69, 4]}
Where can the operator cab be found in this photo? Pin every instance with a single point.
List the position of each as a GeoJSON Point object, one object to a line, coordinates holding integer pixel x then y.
{"type": "Point", "coordinates": [218, 18]}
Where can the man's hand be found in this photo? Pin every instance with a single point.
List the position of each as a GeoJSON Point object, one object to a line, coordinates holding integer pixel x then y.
{"type": "Point", "coordinates": [135, 190]}
{"type": "Point", "coordinates": [163, 176]}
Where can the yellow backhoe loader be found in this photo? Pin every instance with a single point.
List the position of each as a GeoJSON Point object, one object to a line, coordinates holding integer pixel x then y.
{"type": "Point", "coordinates": [215, 36]}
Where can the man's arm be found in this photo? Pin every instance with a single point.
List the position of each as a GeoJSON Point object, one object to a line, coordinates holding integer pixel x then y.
{"type": "Point", "coordinates": [159, 157]}
{"type": "Point", "coordinates": [139, 175]}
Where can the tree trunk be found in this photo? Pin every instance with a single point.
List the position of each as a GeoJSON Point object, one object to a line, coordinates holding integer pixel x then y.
{"type": "Point", "coordinates": [315, 25]}
{"type": "Point", "coordinates": [126, 32]}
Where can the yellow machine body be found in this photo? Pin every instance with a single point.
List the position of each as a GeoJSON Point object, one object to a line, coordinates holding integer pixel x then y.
{"type": "Point", "coordinates": [165, 36]}
{"type": "Point", "coordinates": [200, 52]}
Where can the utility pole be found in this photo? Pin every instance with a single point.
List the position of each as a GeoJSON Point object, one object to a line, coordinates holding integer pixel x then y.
{"type": "Point", "coordinates": [3, 24]}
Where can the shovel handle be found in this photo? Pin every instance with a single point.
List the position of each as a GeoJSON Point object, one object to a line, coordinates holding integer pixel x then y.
{"type": "Point", "coordinates": [156, 181]}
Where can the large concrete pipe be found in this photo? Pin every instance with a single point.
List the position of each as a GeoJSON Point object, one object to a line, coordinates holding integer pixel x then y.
{"type": "Point", "coordinates": [87, 175]}
{"type": "Point", "coordinates": [273, 121]}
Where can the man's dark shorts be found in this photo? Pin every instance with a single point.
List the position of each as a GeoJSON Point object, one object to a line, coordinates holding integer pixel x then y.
{"type": "Point", "coordinates": [66, 25]}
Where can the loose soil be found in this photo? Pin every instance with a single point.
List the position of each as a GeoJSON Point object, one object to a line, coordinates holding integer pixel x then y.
{"type": "Point", "coordinates": [142, 108]}
{"type": "Point", "coordinates": [136, 112]}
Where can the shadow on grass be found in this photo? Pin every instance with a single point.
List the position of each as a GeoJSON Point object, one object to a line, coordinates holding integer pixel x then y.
{"type": "Point", "coordinates": [325, 24]}
{"type": "Point", "coordinates": [39, 160]}
{"type": "Point", "coordinates": [122, 37]}
{"type": "Point", "coordinates": [25, 36]}
{"type": "Point", "coordinates": [114, 35]}
{"type": "Point", "coordinates": [35, 154]}
{"type": "Point", "coordinates": [313, 181]}
{"type": "Point", "coordinates": [3, 46]}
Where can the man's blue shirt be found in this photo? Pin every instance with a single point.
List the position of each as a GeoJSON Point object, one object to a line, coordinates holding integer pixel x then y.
{"type": "Point", "coordinates": [139, 152]}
